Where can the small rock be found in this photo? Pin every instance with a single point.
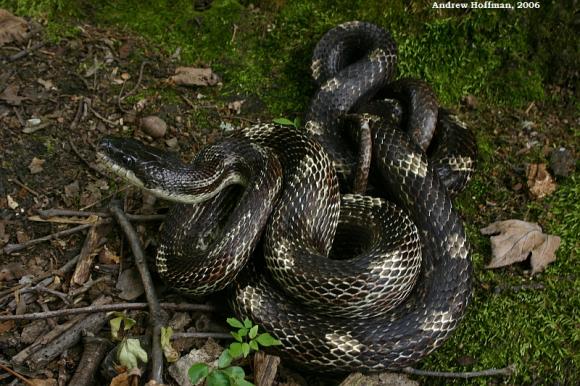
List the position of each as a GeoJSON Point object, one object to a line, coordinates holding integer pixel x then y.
{"type": "Point", "coordinates": [470, 102]}
{"type": "Point", "coordinates": [562, 162]}
{"type": "Point", "coordinates": [154, 126]}
{"type": "Point", "coordinates": [130, 284]}
{"type": "Point", "coordinates": [383, 379]}
{"type": "Point", "coordinates": [179, 320]}
{"type": "Point", "coordinates": [172, 142]}
{"type": "Point", "coordinates": [208, 354]}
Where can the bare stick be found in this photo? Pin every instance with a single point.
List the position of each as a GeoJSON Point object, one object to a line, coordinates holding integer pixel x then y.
{"type": "Point", "coordinates": [91, 323]}
{"type": "Point", "coordinates": [15, 374]}
{"type": "Point", "coordinates": [107, 308]}
{"type": "Point", "coordinates": [85, 161]}
{"type": "Point", "coordinates": [28, 189]}
{"type": "Point", "coordinates": [130, 92]}
{"type": "Point", "coordinates": [25, 51]}
{"type": "Point", "coordinates": [506, 371]}
{"type": "Point", "coordinates": [87, 257]}
{"type": "Point", "coordinates": [10, 248]}
{"type": "Point", "coordinates": [78, 115]}
{"type": "Point", "coordinates": [96, 114]}
{"type": "Point", "coordinates": [79, 213]}
{"type": "Point", "coordinates": [155, 314]}
{"type": "Point", "coordinates": [94, 352]}
{"type": "Point", "coordinates": [188, 335]}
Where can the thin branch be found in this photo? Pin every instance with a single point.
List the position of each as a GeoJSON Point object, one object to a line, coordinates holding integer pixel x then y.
{"type": "Point", "coordinates": [15, 374]}
{"type": "Point", "coordinates": [10, 248]}
{"type": "Point", "coordinates": [26, 51]}
{"type": "Point", "coordinates": [506, 371]}
{"type": "Point", "coordinates": [106, 308]}
{"type": "Point", "coordinates": [85, 161]}
{"type": "Point", "coordinates": [155, 315]}
{"type": "Point", "coordinates": [202, 335]}
{"type": "Point", "coordinates": [96, 114]}
{"type": "Point", "coordinates": [79, 213]}
{"type": "Point", "coordinates": [130, 92]}
{"type": "Point", "coordinates": [23, 186]}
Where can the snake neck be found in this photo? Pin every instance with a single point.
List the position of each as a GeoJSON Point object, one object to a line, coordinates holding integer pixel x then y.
{"type": "Point", "coordinates": [233, 161]}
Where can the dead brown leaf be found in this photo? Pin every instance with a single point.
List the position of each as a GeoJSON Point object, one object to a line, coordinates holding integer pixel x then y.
{"type": "Point", "coordinates": [540, 182]}
{"type": "Point", "coordinates": [191, 76]}
{"type": "Point", "coordinates": [43, 382]}
{"type": "Point", "coordinates": [6, 326]}
{"type": "Point", "coordinates": [10, 95]}
{"type": "Point", "coordinates": [12, 28]}
{"type": "Point", "coordinates": [514, 240]}
{"type": "Point", "coordinates": [36, 165]}
{"type": "Point", "coordinates": [120, 380]}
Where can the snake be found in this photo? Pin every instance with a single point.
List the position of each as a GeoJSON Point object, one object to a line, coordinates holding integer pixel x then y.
{"type": "Point", "coordinates": [347, 276]}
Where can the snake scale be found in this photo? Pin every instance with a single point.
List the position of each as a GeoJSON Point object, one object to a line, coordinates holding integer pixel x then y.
{"type": "Point", "coordinates": [346, 281]}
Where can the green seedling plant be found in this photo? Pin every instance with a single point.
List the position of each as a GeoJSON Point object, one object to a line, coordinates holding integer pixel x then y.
{"type": "Point", "coordinates": [247, 338]}
{"type": "Point", "coordinates": [287, 122]}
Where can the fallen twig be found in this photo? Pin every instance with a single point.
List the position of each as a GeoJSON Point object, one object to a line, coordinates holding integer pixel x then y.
{"type": "Point", "coordinates": [78, 115]}
{"type": "Point", "coordinates": [155, 315]}
{"type": "Point", "coordinates": [130, 92]}
{"type": "Point", "coordinates": [90, 324]}
{"type": "Point", "coordinates": [506, 371]}
{"type": "Point", "coordinates": [189, 335]}
{"type": "Point", "coordinates": [10, 248]}
{"type": "Point", "coordinates": [99, 116]}
{"type": "Point", "coordinates": [79, 213]}
{"type": "Point", "coordinates": [95, 350]}
{"type": "Point", "coordinates": [85, 161]}
{"type": "Point", "coordinates": [25, 187]}
{"type": "Point", "coordinates": [107, 308]}
{"type": "Point", "coordinates": [26, 51]}
{"type": "Point", "coordinates": [15, 374]}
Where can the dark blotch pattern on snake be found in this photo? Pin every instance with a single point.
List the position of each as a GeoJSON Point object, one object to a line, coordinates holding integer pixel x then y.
{"type": "Point", "coordinates": [345, 282]}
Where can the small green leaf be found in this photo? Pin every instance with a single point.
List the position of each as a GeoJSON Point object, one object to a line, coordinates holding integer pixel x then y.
{"type": "Point", "coordinates": [235, 323]}
{"type": "Point", "coordinates": [296, 122]}
{"type": "Point", "coordinates": [243, 331]}
{"type": "Point", "coordinates": [235, 372]}
{"type": "Point", "coordinates": [217, 378]}
{"type": "Point", "coordinates": [248, 323]}
{"type": "Point", "coordinates": [253, 332]}
{"type": "Point", "coordinates": [242, 382]}
{"type": "Point", "coordinates": [225, 359]}
{"type": "Point", "coordinates": [283, 121]}
{"type": "Point", "coordinates": [236, 336]}
{"type": "Point", "coordinates": [197, 372]}
{"type": "Point", "coordinates": [254, 345]}
{"type": "Point", "coordinates": [236, 350]}
{"type": "Point", "coordinates": [245, 349]}
{"type": "Point", "coordinates": [267, 340]}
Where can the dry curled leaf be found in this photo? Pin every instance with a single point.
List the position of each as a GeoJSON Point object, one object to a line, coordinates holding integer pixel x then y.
{"type": "Point", "coordinates": [10, 95]}
{"type": "Point", "coordinates": [12, 28]}
{"type": "Point", "coordinates": [514, 240]}
{"type": "Point", "coordinates": [36, 165]}
{"type": "Point", "coordinates": [191, 76]}
{"type": "Point", "coordinates": [540, 182]}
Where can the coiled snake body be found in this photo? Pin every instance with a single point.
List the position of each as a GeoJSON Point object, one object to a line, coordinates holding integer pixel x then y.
{"type": "Point", "coordinates": [398, 278]}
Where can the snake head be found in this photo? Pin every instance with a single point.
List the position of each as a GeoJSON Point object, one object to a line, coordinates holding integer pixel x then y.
{"type": "Point", "coordinates": [134, 161]}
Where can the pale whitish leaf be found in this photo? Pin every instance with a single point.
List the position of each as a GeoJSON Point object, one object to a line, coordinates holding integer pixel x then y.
{"type": "Point", "coordinates": [130, 352]}
{"type": "Point", "coordinates": [513, 241]}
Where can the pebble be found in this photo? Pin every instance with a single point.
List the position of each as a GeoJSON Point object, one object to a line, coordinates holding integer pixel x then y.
{"type": "Point", "coordinates": [154, 126]}
{"type": "Point", "coordinates": [562, 162]}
